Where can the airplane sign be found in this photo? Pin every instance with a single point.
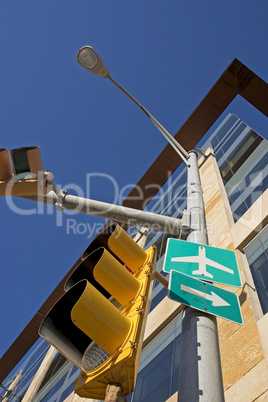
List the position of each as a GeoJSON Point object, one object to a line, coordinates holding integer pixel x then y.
{"type": "Point", "coordinates": [202, 262]}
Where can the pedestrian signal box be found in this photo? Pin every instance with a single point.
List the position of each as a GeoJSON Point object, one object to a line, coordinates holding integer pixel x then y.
{"type": "Point", "coordinates": [22, 173]}
{"type": "Point", "coordinates": [99, 322]}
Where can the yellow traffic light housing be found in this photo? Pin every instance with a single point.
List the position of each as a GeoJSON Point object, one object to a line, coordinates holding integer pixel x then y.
{"type": "Point", "coordinates": [86, 315]}
{"type": "Point", "coordinates": [22, 173]}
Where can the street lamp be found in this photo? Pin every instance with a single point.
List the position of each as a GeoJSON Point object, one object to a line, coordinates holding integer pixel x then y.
{"type": "Point", "coordinates": [88, 58]}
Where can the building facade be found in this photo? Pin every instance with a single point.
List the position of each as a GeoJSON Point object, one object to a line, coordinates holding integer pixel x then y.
{"type": "Point", "coordinates": [234, 176]}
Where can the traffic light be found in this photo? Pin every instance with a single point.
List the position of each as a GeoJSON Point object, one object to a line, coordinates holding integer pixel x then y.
{"type": "Point", "coordinates": [22, 173]}
{"type": "Point", "coordinates": [99, 322]}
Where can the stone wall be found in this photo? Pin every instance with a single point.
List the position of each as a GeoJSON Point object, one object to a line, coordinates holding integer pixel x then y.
{"type": "Point", "coordinates": [244, 369]}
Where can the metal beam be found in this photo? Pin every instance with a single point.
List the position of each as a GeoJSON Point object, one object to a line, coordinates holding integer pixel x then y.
{"type": "Point", "coordinates": [117, 213]}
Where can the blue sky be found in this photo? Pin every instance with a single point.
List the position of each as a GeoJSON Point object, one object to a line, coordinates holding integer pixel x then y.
{"type": "Point", "coordinates": [167, 53]}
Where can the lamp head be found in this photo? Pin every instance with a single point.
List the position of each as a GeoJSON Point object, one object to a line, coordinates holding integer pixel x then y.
{"type": "Point", "coordinates": [88, 58]}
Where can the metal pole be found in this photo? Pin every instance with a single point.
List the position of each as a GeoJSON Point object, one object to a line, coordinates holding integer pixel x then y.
{"type": "Point", "coordinates": [200, 376]}
{"type": "Point", "coordinates": [116, 213]}
{"type": "Point", "coordinates": [12, 387]}
{"type": "Point", "coordinates": [172, 141]}
{"type": "Point", "coordinates": [113, 393]}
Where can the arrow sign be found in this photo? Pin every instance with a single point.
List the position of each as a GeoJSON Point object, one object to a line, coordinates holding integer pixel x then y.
{"type": "Point", "coordinates": [205, 297]}
{"type": "Point", "coordinates": [217, 301]}
{"type": "Point", "coordinates": [202, 262]}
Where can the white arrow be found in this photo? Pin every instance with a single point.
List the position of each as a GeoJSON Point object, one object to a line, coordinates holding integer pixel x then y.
{"type": "Point", "coordinates": [217, 301]}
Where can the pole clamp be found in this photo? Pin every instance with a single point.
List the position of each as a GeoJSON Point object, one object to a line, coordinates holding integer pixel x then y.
{"type": "Point", "coordinates": [61, 197]}
{"type": "Point", "coordinates": [185, 224]}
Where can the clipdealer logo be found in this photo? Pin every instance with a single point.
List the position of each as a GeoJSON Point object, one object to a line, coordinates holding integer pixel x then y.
{"type": "Point", "coordinates": [164, 202]}
{"type": "Point", "coordinates": [79, 224]}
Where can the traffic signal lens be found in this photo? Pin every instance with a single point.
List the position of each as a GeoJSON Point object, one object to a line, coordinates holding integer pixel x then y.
{"type": "Point", "coordinates": [99, 319]}
{"type": "Point", "coordinates": [122, 245]}
{"type": "Point", "coordinates": [115, 278]}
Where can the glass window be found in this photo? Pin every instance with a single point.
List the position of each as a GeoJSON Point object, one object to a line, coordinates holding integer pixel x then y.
{"type": "Point", "coordinates": [61, 383]}
{"type": "Point", "coordinates": [223, 129]}
{"type": "Point", "coordinates": [155, 379]}
{"type": "Point", "coordinates": [159, 367]}
{"type": "Point", "coordinates": [70, 384]}
{"type": "Point", "coordinates": [242, 158]}
{"type": "Point", "coordinates": [227, 145]}
{"type": "Point", "coordinates": [28, 368]}
{"type": "Point", "coordinates": [158, 296]}
{"type": "Point", "coordinates": [257, 255]}
{"type": "Point", "coordinates": [247, 185]}
{"type": "Point", "coordinates": [239, 156]}
{"type": "Point", "coordinates": [52, 395]}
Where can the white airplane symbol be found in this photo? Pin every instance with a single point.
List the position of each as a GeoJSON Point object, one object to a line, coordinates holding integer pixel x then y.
{"type": "Point", "coordinates": [203, 262]}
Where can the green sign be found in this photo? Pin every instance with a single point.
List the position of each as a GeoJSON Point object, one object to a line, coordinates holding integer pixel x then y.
{"type": "Point", "coordinates": [203, 262]}
{"type": "Point", "coordinates": [205, 297]}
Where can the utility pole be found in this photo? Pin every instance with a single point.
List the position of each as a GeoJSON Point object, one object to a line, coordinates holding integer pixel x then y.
{"type": "Point", "coordinates": [200, 366]}
{"type": "Point", "coordinates": [200, 376]}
